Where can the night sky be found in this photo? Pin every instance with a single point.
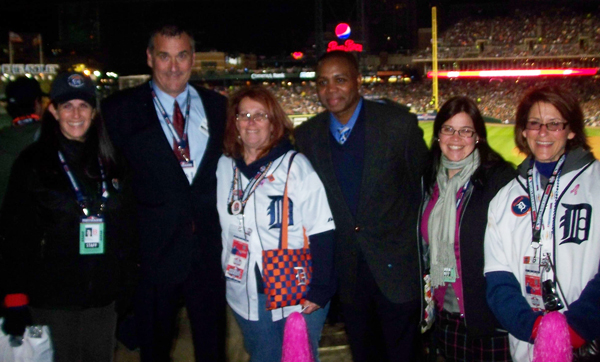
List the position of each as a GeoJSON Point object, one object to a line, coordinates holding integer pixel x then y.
{"type": "Point", "coordinates": [249, 26]}
{"type": "Point", "coordinates": [262, 27]}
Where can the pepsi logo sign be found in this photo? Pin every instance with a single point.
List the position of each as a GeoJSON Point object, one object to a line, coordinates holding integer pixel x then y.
{"type": "Point", "coordinates": [342, 31]}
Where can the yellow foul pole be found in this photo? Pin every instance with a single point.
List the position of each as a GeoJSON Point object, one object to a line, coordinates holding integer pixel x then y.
{"type": "Point", "coordinates": [434, 58]}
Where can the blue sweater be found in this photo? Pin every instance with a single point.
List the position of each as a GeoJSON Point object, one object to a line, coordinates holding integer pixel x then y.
{"type": "Point", "coordinates": [348, 161]}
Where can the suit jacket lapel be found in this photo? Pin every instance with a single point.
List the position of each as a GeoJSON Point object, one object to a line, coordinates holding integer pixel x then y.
{"type": "Point", "coordinates": [156, 145]}
{"type": "Point", "coordinates": [214, 143]}
{"type": "Point", "coordinates": [374, 153]}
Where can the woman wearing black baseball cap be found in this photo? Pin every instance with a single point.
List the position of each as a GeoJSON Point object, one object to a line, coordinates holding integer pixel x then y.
{"type": "Point", "coordinates": [67, 228]}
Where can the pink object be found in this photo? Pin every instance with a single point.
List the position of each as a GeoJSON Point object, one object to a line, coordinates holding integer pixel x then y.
{"type": "Point", "coordinates": [553, 342]}
{"type": "Point", "coordinates": [296, 346]}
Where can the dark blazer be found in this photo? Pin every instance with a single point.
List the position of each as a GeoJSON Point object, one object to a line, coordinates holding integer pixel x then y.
{"type": "Point", "coordinates": [385, 227]}
{"type": "Point", "coordinates": [487, 180]}
{"type": "Point", "coordinates": [178, 222]}
{"type": "Point", "coordinates": [39, 229]}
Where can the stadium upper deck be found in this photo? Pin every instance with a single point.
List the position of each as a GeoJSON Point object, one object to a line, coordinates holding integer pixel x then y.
{"type": "Point", "coordinates": [546, 34]}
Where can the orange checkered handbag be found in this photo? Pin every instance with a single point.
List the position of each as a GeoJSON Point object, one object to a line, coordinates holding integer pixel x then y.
{"type": "Point", "coordinates": [286, 272]}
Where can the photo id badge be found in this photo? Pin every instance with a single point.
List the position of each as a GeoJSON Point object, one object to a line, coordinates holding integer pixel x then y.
{"type": "Point", "coordinates": [188, 169]}
{"type": "Point", "coordinates": [237, 261]}
{"type": "Point", "coordinates": [91, 236]}
{"type": "Point", "coordinates": [449, 275]}
{"type": "Point", "coordinates": [533, 284]}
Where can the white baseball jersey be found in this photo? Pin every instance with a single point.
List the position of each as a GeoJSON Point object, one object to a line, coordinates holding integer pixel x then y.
{"type": "Point", "coordinates": [573, 212]}
{"type": "Point", "coordinates": [261, 222]}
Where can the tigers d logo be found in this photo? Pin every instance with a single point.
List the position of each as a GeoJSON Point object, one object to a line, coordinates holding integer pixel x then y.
{"type": "Point", "coordinates": [301, 275]}
{"type": "Point", "coordinates": [576, 223]}
{"type": "Point", "coordinates": [275, 212]}
{"type": "Point", "coordinates": [521, 206]}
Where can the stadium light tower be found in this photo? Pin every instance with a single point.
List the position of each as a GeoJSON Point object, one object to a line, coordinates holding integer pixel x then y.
{"type": "Point", "coordinates": [434, 59]}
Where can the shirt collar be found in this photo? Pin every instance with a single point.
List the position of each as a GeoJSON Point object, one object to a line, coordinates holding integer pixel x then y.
{"type": "Point", "coordinates": [252, 169]}
{"type": "Point", "coordinates": [168, 101]}
{"type": "Point", "coordinates": [335, 125]}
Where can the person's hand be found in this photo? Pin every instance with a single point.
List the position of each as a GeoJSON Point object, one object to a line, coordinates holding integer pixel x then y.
{"type": "Point", "coordinates": [15, 320]}
{"type": "Point", "coordinates": [308, 307]}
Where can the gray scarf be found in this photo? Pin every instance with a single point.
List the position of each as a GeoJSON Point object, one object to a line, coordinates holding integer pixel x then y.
{"type": "Point", "coordinates": [442, 221]}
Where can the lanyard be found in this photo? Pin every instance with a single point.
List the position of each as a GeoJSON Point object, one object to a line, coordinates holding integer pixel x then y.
{"type": "Point", "coordinates": [180, 141]}
{"type": "Point", "coordinates": [80, 198]}
{"type": "Point", "coordinates": [462, 193]}
{"type": "Point", "coordinates": [239, 198]}
{"type": "Point", "coordinates": [538, 213]}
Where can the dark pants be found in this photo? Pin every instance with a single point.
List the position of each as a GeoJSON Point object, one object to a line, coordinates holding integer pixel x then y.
{"type": "Point", "coordinates": [377, 329]}
{"type": "Point", "coordinates": [80, 336]}
{"type": "Point", "coordinates": [455, 346]}
{"type": "Point", "coordinates": [156, 311]}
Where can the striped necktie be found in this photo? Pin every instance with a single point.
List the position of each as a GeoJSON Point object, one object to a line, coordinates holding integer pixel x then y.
{"type": "Point", "coordinates": [179, 125]}
{"type": "Point", "coordinates": [344, 133]}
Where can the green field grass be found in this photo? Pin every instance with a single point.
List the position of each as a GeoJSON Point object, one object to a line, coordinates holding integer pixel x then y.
{"type": "Point", "coordinates": [501, 139]}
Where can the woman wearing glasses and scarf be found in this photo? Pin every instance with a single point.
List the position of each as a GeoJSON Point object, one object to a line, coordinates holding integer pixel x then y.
{"type": "Point", "coordinates": [251, 181]}
{"type": "Point", "coordinates": [542, 248]}
{"type": "Point", "coordinates": [464, 175]}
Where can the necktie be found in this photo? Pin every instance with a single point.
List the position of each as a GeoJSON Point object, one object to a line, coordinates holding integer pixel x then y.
{"type": "Point", "coordinates": [178, 124]}
{"type": "Point", "coordinates": [344, 133]}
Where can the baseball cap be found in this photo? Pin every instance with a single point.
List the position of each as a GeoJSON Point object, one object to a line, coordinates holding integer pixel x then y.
{"type": "Point", "coordinates": [22, 91]}
{"type": "Point", "coordinates": [73, 85]}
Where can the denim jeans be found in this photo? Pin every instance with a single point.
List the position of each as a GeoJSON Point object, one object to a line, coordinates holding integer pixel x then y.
{"type": "Point", "coordinates": [263, 338]}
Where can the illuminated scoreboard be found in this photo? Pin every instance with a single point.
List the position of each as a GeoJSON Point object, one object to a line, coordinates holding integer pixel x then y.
{"type": "Point", "coordinates": [515, 73]}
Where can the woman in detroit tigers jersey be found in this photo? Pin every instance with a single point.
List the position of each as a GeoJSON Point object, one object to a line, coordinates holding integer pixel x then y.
{"type": "Point", "coordinates": [542, 249]}
{"type": "Point", "coordinates": [251, 178]}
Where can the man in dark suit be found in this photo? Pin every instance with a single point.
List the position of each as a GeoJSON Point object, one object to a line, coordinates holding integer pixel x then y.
{"type": "Point", "coordinates": [370, 157]}
{"type": "Point", "coordinates": [171, 133]}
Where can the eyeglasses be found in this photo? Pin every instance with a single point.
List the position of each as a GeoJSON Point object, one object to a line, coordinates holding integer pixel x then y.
{"type": "Point", "coordinates": [256, 117]}
{"type": "Point", "coordinates": [463, 132]}
{"type": "Point", "coordinates": [550, 126]}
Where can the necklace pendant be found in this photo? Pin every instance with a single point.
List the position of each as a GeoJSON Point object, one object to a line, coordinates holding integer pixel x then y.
{"type": "Point", "coordinates": [236, 207]}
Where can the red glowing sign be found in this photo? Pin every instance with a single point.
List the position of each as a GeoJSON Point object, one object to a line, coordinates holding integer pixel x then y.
{"type": "Point", "coordinates": [348, 46]}
{"type": "Point", "coordinates": [342, 31]}
{"type": "Point", "coordinates": [514, 73]}
{"type": "Point", "coordinates": [297, 55]}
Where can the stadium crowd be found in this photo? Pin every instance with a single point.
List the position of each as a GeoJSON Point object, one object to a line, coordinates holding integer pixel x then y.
{"type": "Point", "coordinates": [497, 98]}
{"type": "Point", "coordinates": [537, 32]}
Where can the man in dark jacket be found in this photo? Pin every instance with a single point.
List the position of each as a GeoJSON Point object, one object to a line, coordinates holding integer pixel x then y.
{"type": "Point", "coordinates": [370, 157]}
{"type": "Point", "coordinates": [174, 182]}
{"type": "Point", "coordinates": [25, 106]}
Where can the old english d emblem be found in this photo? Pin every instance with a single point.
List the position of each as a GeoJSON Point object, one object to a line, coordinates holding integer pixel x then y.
{"type": "Point", "coordinates": [576, 223]}
{"type": "Point", "coordinates": [521, 206]}
{"type": "Point", "coordinates": [301, 275]}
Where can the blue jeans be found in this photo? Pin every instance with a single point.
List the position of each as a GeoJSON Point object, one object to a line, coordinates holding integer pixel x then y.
{"type": "Point", "coordinates": [263, 338]}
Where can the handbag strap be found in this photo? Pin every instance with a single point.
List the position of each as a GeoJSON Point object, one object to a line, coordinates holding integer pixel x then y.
{"type": "Point", "coordinates": [283, 237]}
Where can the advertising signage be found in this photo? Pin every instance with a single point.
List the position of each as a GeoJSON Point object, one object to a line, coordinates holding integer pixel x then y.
{"type": "Point", "coordinates": [343, 31]}
{"type": "Point", "coordinates": [19, 69]}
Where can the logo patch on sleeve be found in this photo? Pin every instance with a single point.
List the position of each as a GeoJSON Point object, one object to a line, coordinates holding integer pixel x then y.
{"type": "Point", "coordinates": [521, 206]}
